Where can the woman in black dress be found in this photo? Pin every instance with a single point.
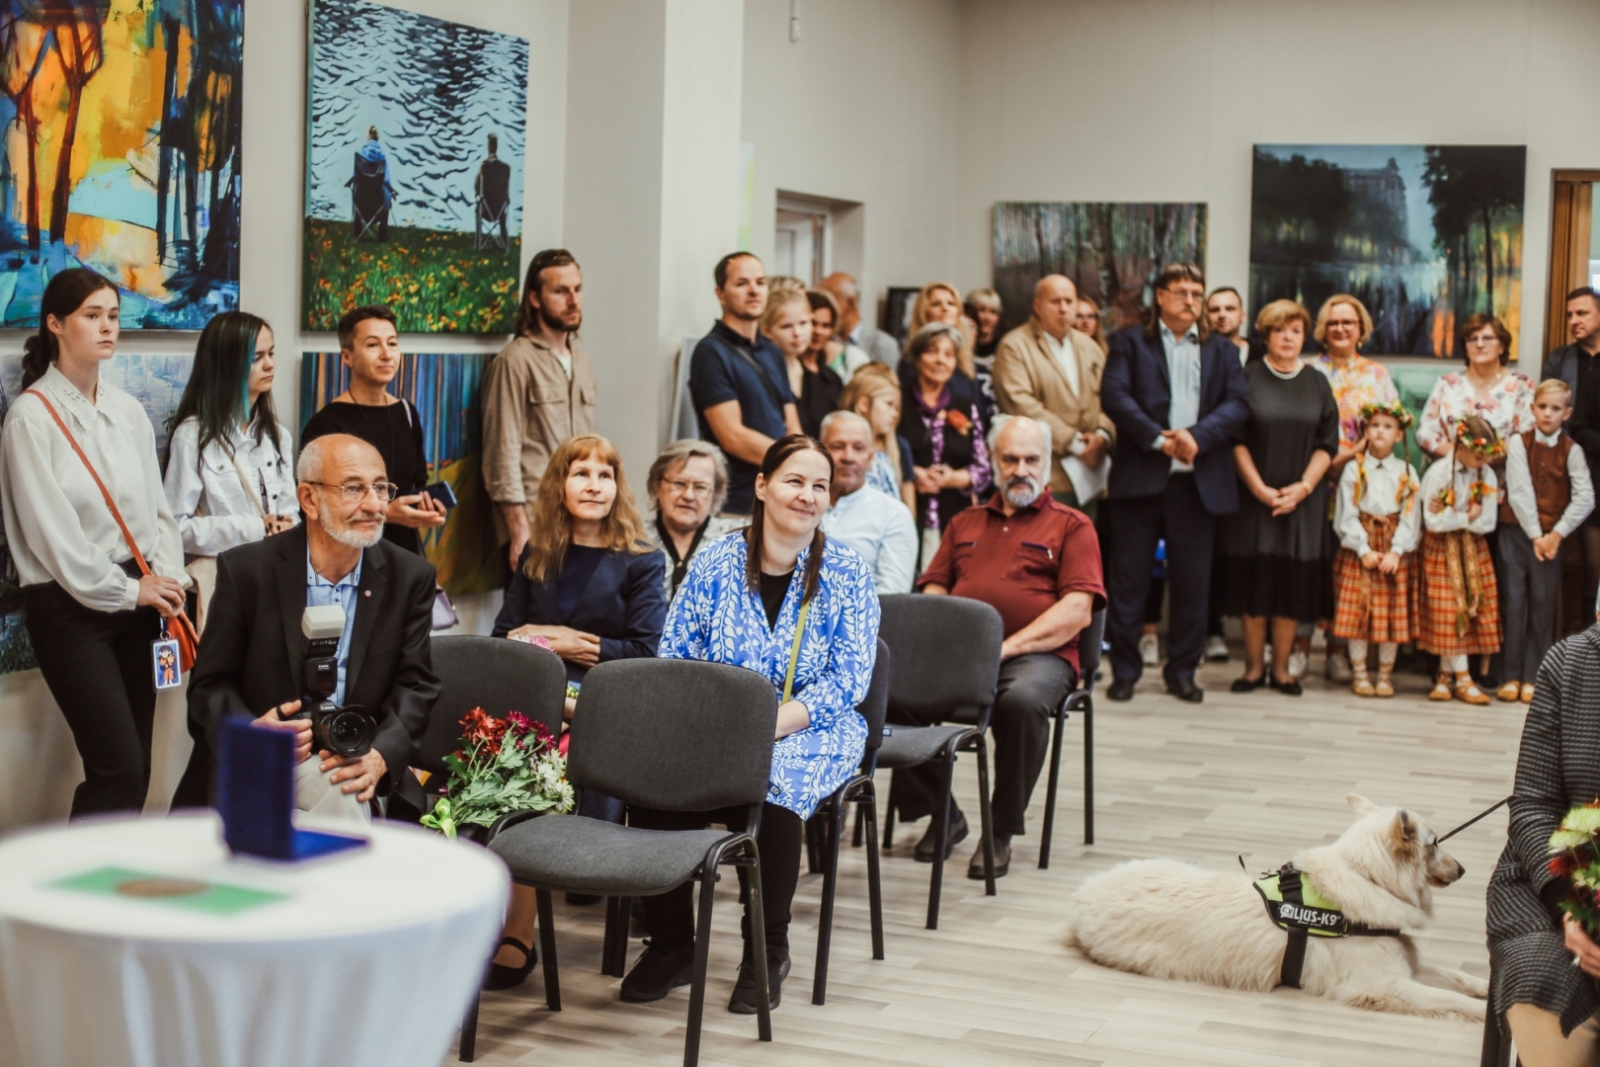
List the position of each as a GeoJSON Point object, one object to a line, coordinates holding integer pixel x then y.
{"type": "Point", "coordinates": [370, 346]}
{"type": "Point", "coordinates": [941, 418]}
{"type": "Point", "coordinates": [1275, 548]}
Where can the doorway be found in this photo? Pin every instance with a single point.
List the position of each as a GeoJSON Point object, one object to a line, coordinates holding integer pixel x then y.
{"type": "Point", "coordinates": [800, 247]}
{"type": "Point", "coordinates": [1574, 247]}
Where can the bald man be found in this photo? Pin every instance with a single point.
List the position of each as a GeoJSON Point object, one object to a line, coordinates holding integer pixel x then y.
{"type": "Point", "coordinates": [1047, 370]}
{"type": "Point", "coordinates": [852, 329]}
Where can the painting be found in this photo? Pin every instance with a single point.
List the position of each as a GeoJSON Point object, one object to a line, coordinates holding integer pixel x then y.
{"type": "Point", "coordinates": [445, 390]}
{"type": "Point", "coordinates": [122, 123]}
{"type": "Point", "coordinates": [157, 382]}
{"type": "Point", "coordinates": [1414, 381]}
{"type": "Point", "coordinates": [415, 138]}
{"type": "Point", "coordinates": [1423, 235]}
{"type": "Point", "coordinates": [1112, 252]}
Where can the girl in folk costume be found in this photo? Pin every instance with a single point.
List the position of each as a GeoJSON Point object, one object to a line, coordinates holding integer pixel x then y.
{"type": "Point", "coordinates": [1379, 521]}
{"type": "Point", "coordinates": [1458, 601]}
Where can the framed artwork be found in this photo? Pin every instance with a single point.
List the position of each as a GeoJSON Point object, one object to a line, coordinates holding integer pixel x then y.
{"type": "Point", "coordinates": [415, 137]}
{"type": "Point", "coordinates": [445, 390]}
{"type": "Point", "coordinates": [1414, 381]}
{"type": "Point", "coordinates": [157, 382]}
{"type": "Point", "coordinates": [122, 123]}
{"type": "Point", "coordinates": [1112, 252]}
{"type": "Point", "coordinates": [1423, 235]}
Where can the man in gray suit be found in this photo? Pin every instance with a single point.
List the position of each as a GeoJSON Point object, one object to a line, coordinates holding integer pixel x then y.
{"type": "Point", "coordinates": [852, 329]}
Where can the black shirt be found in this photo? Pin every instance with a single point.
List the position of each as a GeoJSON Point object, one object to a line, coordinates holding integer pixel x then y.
{"type": "Point", "coordinates": [395, 430]}
{"type": "Point", "coordinates": [820, 390]}
{"type": "Point", "coordinates": [774, 587]}
{"type": "Point", "coordinates": [576, 570]}
{"type": "Point", "coordinates": [680, 567]}
{"type": "Point", "coordinates": [728, 366]}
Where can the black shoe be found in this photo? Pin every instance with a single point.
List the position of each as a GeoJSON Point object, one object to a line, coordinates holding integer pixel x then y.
{"type": "Point", "coordinates": [743, 1001]}
{"type": "Point", "coordinates": [1185, 689]}
{"type": "Point", "coordinates": [929, 844]}
{"type": "Point", "coordinates": [502, 977]}
{"type": "Point", "coordinates": [1291, 688]}
{"type": "Point", "coordinates": [583, 900]}
{"type": "Point", "coordinates": [1121, 689]}
{"type": "Point", "coordinates": [1002, 861]}
{"type": "Point", "coordinates": [658, 972]}
{"type": "Point", "coordinates": [1247, 685]}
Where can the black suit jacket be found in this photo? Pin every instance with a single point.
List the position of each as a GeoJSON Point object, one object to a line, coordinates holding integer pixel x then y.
{"type": "Point", "coordinates": [252, 654]}
{"type": "Point", "coordinates": [1136, 392]}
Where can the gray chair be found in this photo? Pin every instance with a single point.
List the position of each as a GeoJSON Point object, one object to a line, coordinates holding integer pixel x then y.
{"type": "Point", "coordinates": [830, 816]}
{"type": "Point", "coordinates": [1080, 700]}
{"type": "Point", "coordinates": [946, 659]}
{"type": "Point", "coordinates": [672, 735]}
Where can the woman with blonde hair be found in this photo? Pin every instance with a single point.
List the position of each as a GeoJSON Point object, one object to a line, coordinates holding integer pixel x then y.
{"type": "Point", "coordinates": [939, 302]}
{"type": "Point", "coordinates": [787, 323]}
{"type": "Point", "coordinates": [1088, 321]}
{"type": "Point", "coordinates": [874, 394]}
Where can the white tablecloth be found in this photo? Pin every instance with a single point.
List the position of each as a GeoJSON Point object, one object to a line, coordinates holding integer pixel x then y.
{"type": "Point", "coordinates": [369, 962]}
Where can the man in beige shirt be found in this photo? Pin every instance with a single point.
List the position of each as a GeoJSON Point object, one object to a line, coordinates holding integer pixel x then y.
{"type": "Point", "coordinates": [1050, 372]}
{"type": "Point", "coordinates": [537, 392]}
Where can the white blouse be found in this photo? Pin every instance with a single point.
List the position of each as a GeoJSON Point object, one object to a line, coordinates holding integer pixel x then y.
{"type": "Point", "coordinates": [209, 498]}
{"type": "Point", "coordinates": [1438, 477]}
{"type": "Point", "coordinates": [57, 524]}
{"type": "Point", "coordinates": [1384, 479]}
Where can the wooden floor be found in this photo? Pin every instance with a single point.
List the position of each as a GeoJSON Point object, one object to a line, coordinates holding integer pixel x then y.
{"type": "Point", "coordinates": [1257, 774]}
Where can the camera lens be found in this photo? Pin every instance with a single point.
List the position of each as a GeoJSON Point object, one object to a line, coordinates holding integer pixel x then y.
{"type": "Point", "coordinates": [350, 732]}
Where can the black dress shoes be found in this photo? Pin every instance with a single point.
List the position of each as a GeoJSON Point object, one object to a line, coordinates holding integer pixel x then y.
{"type": "Point", "coordinates": [657, 972]}
{"type": "Point", "coordinates": [501, 976]}
{"type": "Point", "coordinates": [1185, 689]}
{"type": "Point", "coordinates": [743, 1001]}
{"type": "Point", "coordinates": [1121, 689]}
{"type": "Point", "coordinates": [1002, 861]}
{"type": "Point", "coordinates": [928, 846]}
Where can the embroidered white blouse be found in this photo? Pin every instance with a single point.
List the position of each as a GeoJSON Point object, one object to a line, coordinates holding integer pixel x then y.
{"type": "Point", "coordinates": [1447, 473]}
{"type": "Point", "coordinates": [58, 527]}
{"type": "Point", "coordinates": [208, 497]}
{"type": "Point", "coordinates": [1384, 478]}
{"type": "Point", "coordinates": [1508, 407]}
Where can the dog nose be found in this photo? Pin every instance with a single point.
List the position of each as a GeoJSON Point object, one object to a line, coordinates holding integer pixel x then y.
{"type": "Point", "coordinates": [1460, 871]}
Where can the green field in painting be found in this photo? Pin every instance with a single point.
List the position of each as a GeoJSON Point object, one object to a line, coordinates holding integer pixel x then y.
{"type": "Point", "coordinates": [434, 281]}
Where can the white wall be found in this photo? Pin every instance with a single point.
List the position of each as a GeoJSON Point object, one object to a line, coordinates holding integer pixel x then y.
{"type": "Point", "coordinates": [1162, 100]}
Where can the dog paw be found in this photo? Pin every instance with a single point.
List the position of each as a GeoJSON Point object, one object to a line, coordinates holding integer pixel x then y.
{"type": "Point", "coordinates": [1478, 987]}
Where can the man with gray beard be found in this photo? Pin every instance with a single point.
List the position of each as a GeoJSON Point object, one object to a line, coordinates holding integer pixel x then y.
{"type": "Point", "coordinates": [1037, 562]}
{"type": "Point", "coordinates": [252, 659]}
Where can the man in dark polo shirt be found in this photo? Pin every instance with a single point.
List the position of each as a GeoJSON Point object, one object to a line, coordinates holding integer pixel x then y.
{"type": "Point", "coordinates": [738, 381]}
{"type": "Point", "coordinates": [1037, 563]}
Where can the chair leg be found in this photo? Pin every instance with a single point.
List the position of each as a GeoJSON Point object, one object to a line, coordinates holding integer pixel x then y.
{"type": "Point", "coordinates": [619, 941]}
{"type": "Point", "coordinates": [1057, 724]}
{"type": "Point", "coordinates": [1088, 771]}
{"type": "Point", "coordinates": [702, 952]}
{"type": "Point", "coordinates": [869, 809]}
{"type": "Point", "coordinates": [547, 945]}
{"type": "Point", "coordinates": [469, 1029]}
{"type": "Point", "coordinates": [830, 886]}
{"type": "Point", "coordinates": [888, 822]}
{"type": "Point", "coordinates": [608, 946]}
{"type": "Point", "coordinates": [986, 816]}
{"type": "Point", "coordinates": [813, 848]}
{"type": "Point", "coordinates": [942, 834]}
{"type": "Point", "coordinates": [855, 840]}
{"type": "Point", "coordinates": [755, 909]}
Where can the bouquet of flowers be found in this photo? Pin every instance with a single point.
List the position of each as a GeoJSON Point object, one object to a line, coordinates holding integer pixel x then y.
{"type": "Point", "coordinates": [1575, 855]}
{"type": "Point", "coordinates": [503, 765]}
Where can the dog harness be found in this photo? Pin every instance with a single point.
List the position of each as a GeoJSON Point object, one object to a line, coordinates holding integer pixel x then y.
{"type": "Point", "coordinates": [1295, 906]}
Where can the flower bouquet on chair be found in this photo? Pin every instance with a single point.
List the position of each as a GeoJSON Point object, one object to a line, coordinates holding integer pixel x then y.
{"type": "Point", "coordinates": [1575, 857]}
{"type": "Point", "coordinates": [503, 766]}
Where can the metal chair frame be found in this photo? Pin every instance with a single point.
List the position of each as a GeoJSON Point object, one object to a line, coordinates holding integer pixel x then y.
{"type": "Point", "coordinates": [1080, 700]}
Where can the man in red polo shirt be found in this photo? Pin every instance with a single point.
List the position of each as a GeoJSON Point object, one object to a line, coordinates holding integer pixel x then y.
{"type": "Point", "coordinates": [1037, 563]}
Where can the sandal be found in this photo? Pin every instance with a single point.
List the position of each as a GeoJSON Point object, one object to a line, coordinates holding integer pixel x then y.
{"type": "Point", "coordinates": [502, 977]}
{"type": "Point", "coordinates": [1467, 690]}
{"type": "Point", "coordinates": [1441, 688]}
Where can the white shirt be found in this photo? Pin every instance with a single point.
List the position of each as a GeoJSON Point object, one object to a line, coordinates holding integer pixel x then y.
{"type": "Point", "coordinates": [212, 505]}
{"type": "Point", "coordinates": [1519, 487]}
{"type": "Point", "coordinates": [1438, 477]}
{"type": "Point", "coordinates": [1066, 356]}
{"type": "Point", "coordinates": [57, 524]}
{"type": "Point", "coordinates": [880, 528]}
{"type": "Point", "coordinates": [1384, 479]}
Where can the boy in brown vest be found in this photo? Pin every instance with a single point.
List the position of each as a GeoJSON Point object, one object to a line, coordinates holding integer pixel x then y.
{"type": "Point", "coordinates": [1548, 488]}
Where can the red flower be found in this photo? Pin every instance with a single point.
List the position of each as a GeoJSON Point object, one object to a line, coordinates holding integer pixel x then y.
{"type": "Point", "coordinates": [958, 422]}
{"type": "Point", "coordinates": [482, 731]}
{"type": "Point", "coordinates": [1562, 865]}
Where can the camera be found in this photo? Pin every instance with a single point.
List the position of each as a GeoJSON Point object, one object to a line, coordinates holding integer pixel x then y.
{"type": "Point", "coordinates": [342, 730]}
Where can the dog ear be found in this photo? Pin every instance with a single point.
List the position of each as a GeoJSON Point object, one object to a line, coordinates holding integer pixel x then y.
{"type": "Point", "coordinates": [1361, 804]}
{"type": "Point", "coordinates": [1404, 831]}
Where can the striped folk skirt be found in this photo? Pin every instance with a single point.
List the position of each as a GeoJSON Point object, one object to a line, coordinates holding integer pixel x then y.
{"type": "Point", "coordinates": [1458, 600]}
{"type": "Point", "coordinates": [1371, 605]}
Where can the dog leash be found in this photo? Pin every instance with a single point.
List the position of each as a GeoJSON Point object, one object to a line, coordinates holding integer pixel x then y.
{"type": "Point", "coordinates": [1482, 814]}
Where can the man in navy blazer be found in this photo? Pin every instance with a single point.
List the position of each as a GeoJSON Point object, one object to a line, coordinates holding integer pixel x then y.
{"type": "Point", "coordinates": [1178, 398]}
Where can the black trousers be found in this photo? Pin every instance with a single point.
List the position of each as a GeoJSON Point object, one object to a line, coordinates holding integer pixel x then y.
{"type": "Point", "coordinates": [98, 667]}
{"type": "Point", "coordinates": [1028, 690]}
{"type": "Point", "coordinates": [670, 916]}
{"type": "Point", "coordinates": [1137, 524]}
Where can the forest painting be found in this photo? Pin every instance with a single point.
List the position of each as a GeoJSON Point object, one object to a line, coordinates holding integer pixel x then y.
{"type": "Point", "coordinates": [1423, 235]}
{"type": "Point", "coordinates": [1112, 252]}
{"type": "Point", "coordinates": [414, 169]}
{"type": "Point", "coordinates": [122, 124]}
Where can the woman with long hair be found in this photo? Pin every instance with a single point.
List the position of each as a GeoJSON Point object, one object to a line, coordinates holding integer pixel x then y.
{"type": "Point", "coordinates": [230, 462]}
{"type": "Point", "coordinates": [92, 612]}
{"type": "Point", "coordinates": [941, 415]}
{"type": "Point", "coordinates": [592, 587]}
{"type": "Point", "coordinates": [939, 302]}
{"type": "Point", "coordinates": [786, 322]}
{"type": "Point", "coordinates": [780, 599]}
{"type": "Point", "coordinates": [874, 394]}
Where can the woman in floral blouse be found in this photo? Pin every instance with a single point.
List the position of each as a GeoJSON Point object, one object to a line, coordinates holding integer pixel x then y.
{"type": "Point", "coordinates": [1487, 387]}
{"type": "Point", "coordinates": [941, 418]}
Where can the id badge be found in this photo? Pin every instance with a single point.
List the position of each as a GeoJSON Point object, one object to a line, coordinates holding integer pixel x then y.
{"type": "Point", "coordinates": [164, 661]}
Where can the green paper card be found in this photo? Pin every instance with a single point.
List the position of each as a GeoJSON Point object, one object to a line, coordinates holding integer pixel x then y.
{"type": "Point", "coordinates": [212, 898]}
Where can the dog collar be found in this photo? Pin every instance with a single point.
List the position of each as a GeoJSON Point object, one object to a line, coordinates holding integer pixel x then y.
{"type": "Point", "coordinates": [1295, 906]}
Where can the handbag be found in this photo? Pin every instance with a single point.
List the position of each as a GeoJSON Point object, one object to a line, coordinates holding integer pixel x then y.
{"type": "Point", "coordinates": [178, 627]}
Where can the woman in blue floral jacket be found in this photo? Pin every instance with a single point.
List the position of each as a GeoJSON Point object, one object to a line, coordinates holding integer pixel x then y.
{"type": "Point", "coordinates": [741, 604]}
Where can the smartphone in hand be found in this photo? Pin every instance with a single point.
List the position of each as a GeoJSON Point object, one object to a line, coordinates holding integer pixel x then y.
{"type": "Point", "coordinates": [441, 492]}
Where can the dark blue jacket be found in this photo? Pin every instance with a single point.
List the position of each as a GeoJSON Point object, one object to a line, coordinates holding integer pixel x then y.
{"type": "Point", "coordinates": [1136, 392]}
{"type": "Point", "coordinates": [624, 604]}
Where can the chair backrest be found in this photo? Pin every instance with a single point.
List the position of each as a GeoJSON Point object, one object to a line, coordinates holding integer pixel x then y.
{"type": "Point", "coordinates": [1089, 645]}
{"type": "Point", "coordinates": [945, 654]}
{"type": "Point", "coordinates": [496, 184]}
{"type": "Point", "coordinates": [674, 735]}
{"type": "Point", "coordinates": [496, 675]}
{"type": "Point", "coordinates": [875, 708]}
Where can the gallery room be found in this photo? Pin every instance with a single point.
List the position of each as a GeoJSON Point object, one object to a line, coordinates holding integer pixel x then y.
{"type": "Point", "coordinates": [775, 531]}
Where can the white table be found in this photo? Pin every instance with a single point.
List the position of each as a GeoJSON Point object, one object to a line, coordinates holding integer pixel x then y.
{"type": "Point", "coordinates": [369, 961]}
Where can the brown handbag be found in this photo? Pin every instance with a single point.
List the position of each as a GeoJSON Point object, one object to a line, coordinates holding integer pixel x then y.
{"type": "Point", "coordinates": [178, 627]}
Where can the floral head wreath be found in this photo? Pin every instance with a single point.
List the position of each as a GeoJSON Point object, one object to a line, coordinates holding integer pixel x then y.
{"type": "Point", "coordinates": [1490, 448]}
{"type": "Point", "coordinates": [1394, 410]}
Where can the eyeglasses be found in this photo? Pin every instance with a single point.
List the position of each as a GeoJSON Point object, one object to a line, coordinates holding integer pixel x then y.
{"type": "Point", "coordinates": [1485, 341]}
{"type": "Point", "coordinates": [683, 488]}
{"type": "Point", "coordinates": [355, 492]}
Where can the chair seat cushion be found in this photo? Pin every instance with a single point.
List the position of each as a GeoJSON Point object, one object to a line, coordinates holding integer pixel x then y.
{"type": "Point", "coordinates": [909, 746]}
{"type": "Point", "coordinates": [583, 855]}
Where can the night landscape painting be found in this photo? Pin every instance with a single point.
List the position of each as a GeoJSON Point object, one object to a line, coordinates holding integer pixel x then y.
{"type": "Point", "coordinates": [1423, 235]}
{"type": "Point", "coordinates": [122, 123]}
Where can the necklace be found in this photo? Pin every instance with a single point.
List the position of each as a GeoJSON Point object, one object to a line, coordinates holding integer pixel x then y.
{"type": "Point", "coordinates": [1285, 375]}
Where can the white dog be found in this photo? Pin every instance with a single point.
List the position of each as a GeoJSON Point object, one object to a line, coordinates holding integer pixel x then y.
{"type": "Point", "coordinates": [1176, 920]}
